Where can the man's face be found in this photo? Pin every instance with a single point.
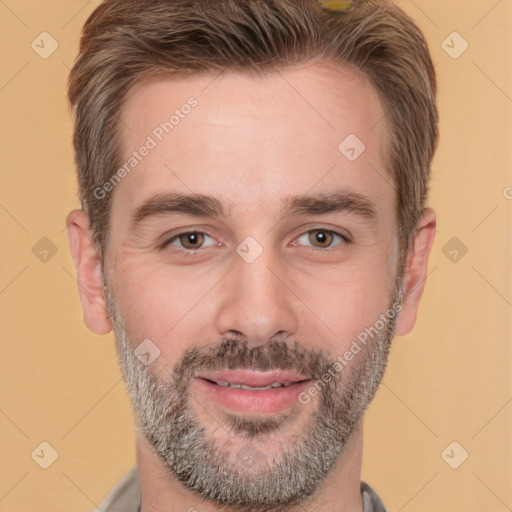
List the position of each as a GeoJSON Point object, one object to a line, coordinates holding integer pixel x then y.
{"type": "Point", "coordinates": [269, 288]}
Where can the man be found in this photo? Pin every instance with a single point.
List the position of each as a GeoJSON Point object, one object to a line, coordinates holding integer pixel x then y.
{"type": "Point", "coordinates": [253, 176]}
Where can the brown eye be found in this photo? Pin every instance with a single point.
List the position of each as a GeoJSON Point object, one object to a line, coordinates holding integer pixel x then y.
{"type": "Point", "coordinates": [322, 240]}
{"type": "Point", "coordinates": [322, 237]}
{"type": "Point", "coordinates": [191, 240]}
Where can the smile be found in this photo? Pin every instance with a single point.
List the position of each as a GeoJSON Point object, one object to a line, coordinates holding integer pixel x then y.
{"type": "Point", "coordinates": [248, 391]}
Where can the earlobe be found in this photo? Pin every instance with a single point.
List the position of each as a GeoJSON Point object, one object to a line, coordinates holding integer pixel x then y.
{"type": "Point", "coordinates": [416, 271]}
{"type": "Point", "coordinates": [87, 262]}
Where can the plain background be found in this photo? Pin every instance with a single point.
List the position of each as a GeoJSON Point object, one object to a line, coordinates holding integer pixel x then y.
{"type": "Point", "coordinates": [448, 381]}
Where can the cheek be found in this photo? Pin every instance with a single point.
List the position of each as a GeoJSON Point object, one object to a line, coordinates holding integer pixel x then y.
{"type": "Point", "coordinates": [349, 300]}
{"type": "Point", "coordinates": [157, 301]}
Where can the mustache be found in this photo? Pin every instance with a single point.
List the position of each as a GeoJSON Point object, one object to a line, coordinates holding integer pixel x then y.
{"type": "Point", "coordinates": [233, 354]}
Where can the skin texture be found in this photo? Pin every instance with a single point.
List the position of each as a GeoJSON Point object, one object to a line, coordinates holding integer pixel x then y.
{"type": "Point", "coordinates": [250, 142]}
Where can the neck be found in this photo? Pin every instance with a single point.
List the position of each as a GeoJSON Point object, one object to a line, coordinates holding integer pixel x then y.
{"type": "Point", "coordinates": [162, 492]}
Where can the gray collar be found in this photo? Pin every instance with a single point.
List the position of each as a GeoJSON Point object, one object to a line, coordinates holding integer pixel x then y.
{"type": "Point", "coordinates": [371, 500]}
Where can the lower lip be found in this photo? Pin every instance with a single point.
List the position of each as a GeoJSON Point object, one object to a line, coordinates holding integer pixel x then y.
{"type": "Point", "coordinates": [258, 401]}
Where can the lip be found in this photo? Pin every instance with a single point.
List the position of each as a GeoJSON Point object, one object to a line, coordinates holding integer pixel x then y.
{"type": "Point", "coordinates": [239, 400]}
{"type": "Point", "coordinates": [252, 377]}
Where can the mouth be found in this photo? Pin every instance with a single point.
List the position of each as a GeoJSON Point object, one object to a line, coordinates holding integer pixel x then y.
{"type": "Point", "coordinates": [248, 391]}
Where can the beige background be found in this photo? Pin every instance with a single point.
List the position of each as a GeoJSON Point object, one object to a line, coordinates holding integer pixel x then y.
{"type": "Point", "coordinates": [449, 380]}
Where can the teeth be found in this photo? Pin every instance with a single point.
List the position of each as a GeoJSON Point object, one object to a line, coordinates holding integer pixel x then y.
{"type": "Point", "coordinates": [243, 386]}
{"type": "Point", "coordinates": [225, 384]}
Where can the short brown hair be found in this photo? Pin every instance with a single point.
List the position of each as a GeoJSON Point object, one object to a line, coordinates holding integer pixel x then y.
{"type": "Point", "coordinates": [125, 41]}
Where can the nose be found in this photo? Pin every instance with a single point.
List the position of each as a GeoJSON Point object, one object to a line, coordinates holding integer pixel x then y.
{"type": "Point", "coordinates": [256, 302]}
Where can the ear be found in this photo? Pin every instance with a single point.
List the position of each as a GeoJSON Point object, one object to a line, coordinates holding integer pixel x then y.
{"type": "Point", "coordinates": [88, 271]}
{"type": "Point", "coordinates": [416, 271]}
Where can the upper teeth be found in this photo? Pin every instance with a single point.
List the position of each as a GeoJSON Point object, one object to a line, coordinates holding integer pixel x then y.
{"type": "Point", "coordinates": [225, 384]}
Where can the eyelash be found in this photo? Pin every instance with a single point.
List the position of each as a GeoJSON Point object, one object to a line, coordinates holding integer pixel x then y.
{"type": "Point", "coordinates": [344, 239]}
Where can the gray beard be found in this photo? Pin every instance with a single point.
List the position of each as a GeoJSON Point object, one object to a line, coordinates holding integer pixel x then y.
{"type": "Point", "coordinates": [249, 479]}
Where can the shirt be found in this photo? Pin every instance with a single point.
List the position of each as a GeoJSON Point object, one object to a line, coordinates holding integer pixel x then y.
{"type": "Point", "coordinates": [126, 496]}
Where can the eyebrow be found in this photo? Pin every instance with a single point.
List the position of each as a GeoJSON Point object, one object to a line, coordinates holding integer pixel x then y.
{"type": "Point", "coordinates": [201, 205]}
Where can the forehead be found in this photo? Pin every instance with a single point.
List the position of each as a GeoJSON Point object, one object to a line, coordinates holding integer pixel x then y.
{"type": "Point", "coordinates": [249, 139]}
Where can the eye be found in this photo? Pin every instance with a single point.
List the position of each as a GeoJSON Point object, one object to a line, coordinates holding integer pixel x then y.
{"type": "Point", "coordinates": [323, 237]}
{"type": "Point", "coordinates": [192, 241]}
{"type": "Point", "coordinates": [189, 240]}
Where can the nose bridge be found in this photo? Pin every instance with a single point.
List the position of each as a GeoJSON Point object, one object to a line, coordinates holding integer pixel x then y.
{"type": "Point", "coordinates": [255, 300]}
